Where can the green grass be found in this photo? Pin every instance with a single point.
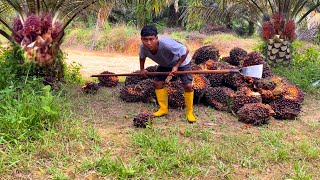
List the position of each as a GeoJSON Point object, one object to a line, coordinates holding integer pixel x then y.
{"type": "Point", "coordinates": [304, 70]}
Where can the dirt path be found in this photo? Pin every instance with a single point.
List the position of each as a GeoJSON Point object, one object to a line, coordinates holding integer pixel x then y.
{"type": "Point", "coordinates": [94, 62]}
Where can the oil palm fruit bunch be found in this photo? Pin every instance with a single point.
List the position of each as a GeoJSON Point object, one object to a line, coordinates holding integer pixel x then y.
{"type": "Point", "coordinates": [226, 59]}
{"type": "Point", "coordinates": [255, 113]}
{"type": "Point", "coordinates": [216, 79]}
{"type": "Point", "coordinates": [35, 35]}
{"type": "Point", "coordinates": [244, 96]}
{"type": "Point", "coordinates": [234, 81]}
{"type": "Point", "coordinates": [148, 91]}
{"type": "Point", "coordinates": [255, 58]}
{"type": "Point", "coordinates": [205, 53]}
{"type": "Point", "coordinates": [108, 81]}
{"type": "Point", "coordinates": [143, 119]}
{"type": "Point", "coordinates": [131, 93]}
{"type": "Point", "coordinates": [175, 94]}
{"type": "Point", "coordinates": [133, 80]}
{"type": "Point", "coordinates": [289, 103]}
{"type": "Point", "coordinates": [200, 84]}
{"type": "Point", "coordinates": [152, 69]}
{"type": "Point", "coordinates": [286, 108]}
{"type": "Point", "coordinates": [236, 55]}
{"type": "Point", "coordinates": [90, 88]}
{"type": "Point", "coordinates": [265, 87]}
{"type": "Point", "coordinates": [219, 97]}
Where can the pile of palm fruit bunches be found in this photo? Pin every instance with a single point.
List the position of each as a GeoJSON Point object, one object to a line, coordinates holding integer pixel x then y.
{"type": "Point", "coordinates": [253, 100]}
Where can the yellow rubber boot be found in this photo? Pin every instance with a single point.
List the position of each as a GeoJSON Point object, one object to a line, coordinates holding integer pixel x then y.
{"type": "Point", "coordinates": [162, 98]}
{"type": "Point", "coordinates": [188, 97]}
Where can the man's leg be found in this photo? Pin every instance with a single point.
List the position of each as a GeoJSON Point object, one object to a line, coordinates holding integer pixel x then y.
{"type": "Point", "coordinates": [161, 93]}
{"type": "Point", "coordinates": [188, 93]}
{"type": "Point", "coordinates": [188, 98]}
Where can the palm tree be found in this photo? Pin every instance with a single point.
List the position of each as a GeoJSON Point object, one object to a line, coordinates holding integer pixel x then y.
{"type": "Point", "coordinates": [145, 9]}
{"type": "Point", "coordinates": [287, 12]}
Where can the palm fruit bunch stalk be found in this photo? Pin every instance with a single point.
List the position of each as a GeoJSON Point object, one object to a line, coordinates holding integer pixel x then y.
{"type": "Point", "coordinates": [90, 88]}
{"type": "Point", "coordinates": [289, 105]}
{"type": "Point", "coordinates": [244, 96]}
{"type": "Point", "coordinates": [219, 97]}
{"type": "Point", "coordinates": [216, 79]}
{"type": "Point", "coordinates": [205, 53]}
{"type": "Point", "coordinates": [148, 91]}
{"type": "Point", "coordinates": [108, 81]}
{"type": "Point", "coordinates": [36, 35]}
{"type": "Point", "coordinates": [143, 119]}
{"type": "Point", "coordinates": [175, 94]}
{"type": "Point", "coordinates": [131, 93]}
{"type": "Point", "coordinates": [279, 32]}
{"type": "Point", "coordinates": [152, 69]}
{"type": "Point", "coordinates": [236, 55]}
{"type": "Point", "coordinates": [255, 113]}
{"type": "Point", "coordinates": [133, 80]}
{"type": "Point", "coordinates": [255, 58]}
{"type": "Point", "coordinates": [200, 84]}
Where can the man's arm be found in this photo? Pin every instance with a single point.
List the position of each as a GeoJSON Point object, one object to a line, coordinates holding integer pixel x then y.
{"type": "Point", "coordinates": [175, 68]}
{"type": "Point", "coordinates": [142, 62]}
{"type": "Point", "coordinates": [142, 70]}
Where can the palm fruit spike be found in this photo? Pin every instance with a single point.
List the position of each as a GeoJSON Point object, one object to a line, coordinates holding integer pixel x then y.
{"type": "Point", "coordinates": [148, 91]}
{"type": "Point", "coordinates": [175, 94]}
{"type": "Point", "coordinates": [108, 81]}
{"type": "Point", "coordinates": [255, 113]}
{"type": "Point", "coordinates": [205, 53]}
{"type": "Point", "coordinates": [133, 80]}
{"type": "Point", "coordinates": [255, 58]}
{"type": "Point", "coordinates": [236, 55]}
{"type": "Point", "coordinates": [200, 84]}
{"type": "Point", "coordinates": [244, 96]}
{"type": "Point", "coordinates": [90, 88]}
{"type": "Point", "coordinates": [216, 79]}
{"type": "Point", "coordinates": [219, 97]}
{"type": "Point", "coordinates": [143, 119]}
{"type": "Point", "coordinates": [285, 108]}
{"type": "Point", "coordinates": [131, 93]}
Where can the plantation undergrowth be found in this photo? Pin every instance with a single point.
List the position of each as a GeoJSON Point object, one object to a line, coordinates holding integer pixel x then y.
{"type": "Point", "coordinates": [64, 134]}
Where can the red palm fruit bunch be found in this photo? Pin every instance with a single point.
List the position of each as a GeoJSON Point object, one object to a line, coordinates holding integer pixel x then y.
{"type": "Point", "coordinates": [205, 53]}
{"type": "Point", "coordinates": [143, 119]}
{"type": "Point", "coordinates": [289, 30]}
{"type": "Point", "coordinates": [17, 29]}
{"type": "Point", "coordinates": [200, 84]}
{"type": "Point", "coordinates": [36, 34]}
{"type": "Point", "coordinates": [90, 88]}
{"type": "Point", "coordinates": [244, 96]}
{"type": "Point", "coordinates": [255, 113]}
{"type": "Point", "coordinates": [148, 91]}
{"type": "Point", "coordinates": [132, 80]}
{"type": "Point", "coordinates": [219, 97]}
{"type": "Point", "coordinates": [175, 94]}
{"type": "Point", "coordinates": [108, 81]}
{"type": "Point", "coordinates": [278, 25]}
{"type": "Point", "coordinates": [131, 93]}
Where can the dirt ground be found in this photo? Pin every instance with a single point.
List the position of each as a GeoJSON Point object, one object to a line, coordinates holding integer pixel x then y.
{"type": "Point", "coordinates": [94, 62]}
